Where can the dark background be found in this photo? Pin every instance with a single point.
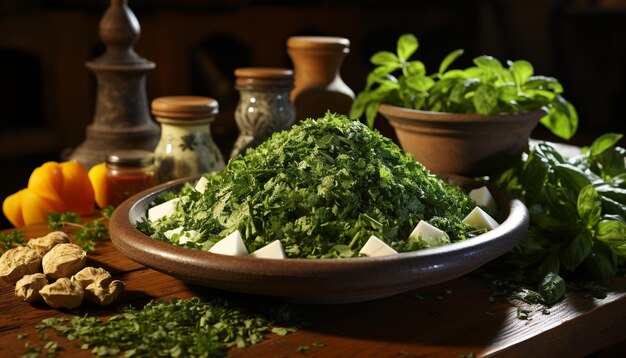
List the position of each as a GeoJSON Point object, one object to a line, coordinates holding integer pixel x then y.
{"type": "Point", "coordinates": [47, 94]}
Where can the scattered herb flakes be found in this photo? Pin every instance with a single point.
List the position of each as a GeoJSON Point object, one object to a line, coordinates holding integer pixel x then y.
{"type": "Point", "coordinates": [523, 313]}
{"type": "Point", "coordinates": [175, 328]}
{"type": "Point", "coordinates": [304, 348]}
{"type": "Point", "coordinates": [10, 240]}
{"type": "Point", "coordinates": [22, 336]}
{"type": "Point", "coordinates": [468, 355]}
{"type": "Point", "coordinates": [322, 188]}
{"type": "Point", "coordinates": [319, 344]}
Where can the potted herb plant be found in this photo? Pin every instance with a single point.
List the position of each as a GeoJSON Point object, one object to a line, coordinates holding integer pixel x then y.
{"type": "Point", "coordinates": [473, 121]}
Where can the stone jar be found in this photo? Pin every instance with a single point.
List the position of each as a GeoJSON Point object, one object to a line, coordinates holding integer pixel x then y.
{"type": "Point", "coordinates": [264, 106]}
{"type": "Point", "coordinates": [318, 84]}
{"type": "Point", "coordinates": [186, 147]}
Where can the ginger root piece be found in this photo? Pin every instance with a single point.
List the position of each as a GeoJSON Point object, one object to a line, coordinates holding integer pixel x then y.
{"type": "Point", "coordinates": [64, 260]}
{"type": "Point", "coordinates": [99, 286]}
{"type": "Point", "coordinates": [28, 287]}
{"type": "Point", "coordinates": [63, 293]}
{"type": "Point", "coordinates": [18, 262]}
{"type": "Point", "coordinates": [46, 243]}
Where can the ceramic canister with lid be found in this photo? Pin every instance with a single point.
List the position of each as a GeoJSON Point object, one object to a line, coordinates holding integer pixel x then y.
{"type": "Point", "coordinates": [186, 147]}
{"type": "Point", "coordinates": [264, 106]}
{"type": "Point", "coordinates": [318, 84]}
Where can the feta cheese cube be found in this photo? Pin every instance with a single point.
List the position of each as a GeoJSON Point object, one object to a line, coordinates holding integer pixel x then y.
{"type": "Point", "coordinates": [273, 250]}
{"type": "Point", "coordinates": [480, 219]}
{"type": "Point", "coordinates": [230, 245]}
{"type": "Point", "coordinates": [201, 184]}
{"type": "Point", "coordinates": [482, 196]}
{"type": "Point", "coordinates": [376, 247]}
{"type": "Point", "coordinates": [429, 235]}
{"type": "Point", "coordinates": [162, 210]}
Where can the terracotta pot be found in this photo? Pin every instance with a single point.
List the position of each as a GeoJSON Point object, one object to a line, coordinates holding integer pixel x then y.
{"type": "Point", "coordinates": [465, 144]}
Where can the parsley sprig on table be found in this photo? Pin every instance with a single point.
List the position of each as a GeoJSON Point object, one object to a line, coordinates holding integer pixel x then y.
{"type": "Point", "coordinates": [176, 328]}
{"type": "Point", "coordinates": [87, 234]}
{"type": "Point", "coordinates": [322, 188]}
{"type": "Point", "coordinates": [10, 240]}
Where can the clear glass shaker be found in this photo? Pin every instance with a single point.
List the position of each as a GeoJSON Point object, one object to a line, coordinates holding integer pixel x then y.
{"type": "Point", "coordinates": [186, 147]}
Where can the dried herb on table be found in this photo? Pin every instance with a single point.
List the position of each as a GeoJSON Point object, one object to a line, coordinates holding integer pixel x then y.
{"type": "Point", "coordinates": [176, 328]}
{"type": "Point", "coordinates": [88, 234]}
{"type": "Point", "coordinates": [322, 189]}
{"type": "Point", "coordinates": [10, 240]}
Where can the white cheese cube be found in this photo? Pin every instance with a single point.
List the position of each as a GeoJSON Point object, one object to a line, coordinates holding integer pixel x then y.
{"type": "Point", "coordinates": [376, 247]}
{"type": "Point", "coordinates": [162, 210]}
{"type": "Point", "coordinates": [230, 245]}
{"type": "Point", "coordinates": [429, 235]}
{"type": "Point", "coordinates": [183, 236]}
{"type": "Point", "coordinates": [201, 184]}
{"type": "Point", "coordinates": [482, 196]}
{"type": "Point", "coordinates": [480, 219]}
{"type": "Point", "coordinates": [273, 250]}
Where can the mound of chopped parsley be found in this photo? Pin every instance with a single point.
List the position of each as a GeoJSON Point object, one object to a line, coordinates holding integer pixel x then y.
{"type": "Point", "coordinates": [321, 188]}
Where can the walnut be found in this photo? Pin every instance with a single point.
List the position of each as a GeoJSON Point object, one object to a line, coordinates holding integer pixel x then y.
{"type": "Point", "coordinates": [88, 275]}
{"type": "Point", "coordinates": [63, 293]}
{"type": "Point", "coordinates": [100, 288]}
{"type": "Point", "coordinates": [63, 260]}
{"type": "Point", "coordinates": [18, 262]}
{"type": "Point", "coordinates": [46, 243]}
{"type": "Point", "coordinates": [28, 287]}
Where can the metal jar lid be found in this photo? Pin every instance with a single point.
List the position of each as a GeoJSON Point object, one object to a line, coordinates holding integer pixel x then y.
{"type": "Point", "coordinates": [264, 77]}
{"type": "Point", "coordinates": [131, 158]}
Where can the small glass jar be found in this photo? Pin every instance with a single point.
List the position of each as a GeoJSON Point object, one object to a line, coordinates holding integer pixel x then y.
{"type": "Point", "coordinates": [186, 147]}
{"type": "Point", "coordinates": [264, 106]}
{"type": "Point", "coordinates": [128, 173]}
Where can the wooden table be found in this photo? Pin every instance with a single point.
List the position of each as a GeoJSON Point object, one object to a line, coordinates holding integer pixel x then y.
{"type": "Point", "coordinates": [462, 317]}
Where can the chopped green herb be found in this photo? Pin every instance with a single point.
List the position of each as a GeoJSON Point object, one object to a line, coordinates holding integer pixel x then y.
{"type": "Point", "coordinates": [22, 335]}
{"type": "Point", "coordinates": [303, 349]}
{"type": "Point", "coordinates": [174, 328]}
{"type": "Point", "coordinates": [319, 344]}
{"type": "Point", "coordinates": [88, 234]}
{"type": "Point", "coordinates": [10, 240]}
{"type": "Point", "coordinates": [552, 288]}
{"type": "Point", "coordinates": [322, 188]}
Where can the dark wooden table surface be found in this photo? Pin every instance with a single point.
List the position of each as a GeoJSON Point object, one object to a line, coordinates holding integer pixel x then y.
{"type": "Point", "coordinates": [462, 317]}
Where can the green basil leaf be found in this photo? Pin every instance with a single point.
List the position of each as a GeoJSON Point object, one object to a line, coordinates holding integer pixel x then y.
{"type": "Point", "coordinates": [419, 83]}
{"type": "Point", "coordinates": [612, 232]}
{"type": "Point", "coordinates": [562, 119]}
{"type": "Point", "coordinates": [604, 142]}
{"type": "Point", "coordinates": [407, 45]}
{"type": "Point", "coordinates": [370, 114]}
{"type": "Point", "coordinates": [448, 60]}
{"type": "Point", "coordinates": [572, 177]}
{"type": "Point", "coordinates": [614, 207]}
{"type": "Point", "coordinates": [543, 82]}
{"type": "Point", "coordinates": [550, 264]}
{"type": "Point", "coordinates": [454, 74]}
{"type": "Point", "coordinates": [611, 163]}
{"type": "Point", "coordinates": [485, 99]}
{"type": "Point", "coordinates": [380, 74]}
{"type": "Point", "coordinates": [576, 251]}
{"type": "Point", "coordinates": [541, 96]}
{"type": "Point", "coordinates": [415, 68]}
{"type": "Point", "coordinates": [521, 70]}
{"type": "Point", "coordinates": [589, 205]}
{"type": "Point", "coordinates": [384, 58]}
{"type": "Point", "coordinates": [488, 63]}
{"type": "Point", "coordinates": [507, 92]}
{"type": "Point", "coordinates": [552, 288]}
{"type": "Point", "coordinates": [358, 106]}
{"type": "Point", "coordinates": [616, 193]}
{"type": "Point", "coordinates": [600, 265]}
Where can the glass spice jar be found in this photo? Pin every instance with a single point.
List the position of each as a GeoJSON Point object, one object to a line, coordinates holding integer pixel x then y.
{"type": "Point", "coordinates": [186, 147]}
{"type": "Point", "coordinates": [128, 173]}
{"type": "Point", "coordinates": [264, 106]}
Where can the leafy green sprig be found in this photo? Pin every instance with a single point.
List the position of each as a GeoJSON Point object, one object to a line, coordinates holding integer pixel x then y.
{"type": "Point", "coordinates": [10, 240]}
{"type": "Point", "coordinates": [86, 235]}
{"type": "Point", "coordinates": [486, 88]}
{"type": "Point", "coordinates": [577, 210]}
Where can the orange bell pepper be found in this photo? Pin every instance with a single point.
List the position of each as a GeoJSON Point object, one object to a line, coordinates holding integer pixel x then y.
{"type": "Point", "coordinates": [98, 177]}
{"type": "Point", "coordinates": [52, 187]}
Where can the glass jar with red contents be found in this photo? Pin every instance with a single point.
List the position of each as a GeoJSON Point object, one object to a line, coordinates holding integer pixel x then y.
{"type": "Point", "coordinates": [128, 173]}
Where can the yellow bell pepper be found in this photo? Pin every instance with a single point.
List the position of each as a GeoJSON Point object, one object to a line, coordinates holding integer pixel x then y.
{"type": "Point", "coordinates": [52, 187]}
{"type": "Point", "coordinates": [98, 177]}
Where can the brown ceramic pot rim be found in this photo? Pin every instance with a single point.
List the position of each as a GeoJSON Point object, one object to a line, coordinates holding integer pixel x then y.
{"type": "Point", "coordinates": [317, 42]}
{"type": "Point", "coordinates": [264, 77]}
{"type": "Point", "coordinates": [394, 113]}
{"type": "Point", "coordinates": [184, 107]}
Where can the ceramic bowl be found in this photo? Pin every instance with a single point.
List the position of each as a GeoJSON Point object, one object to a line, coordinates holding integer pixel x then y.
{"type": "Point", "coordinates": [471, 145]}
{"type": "Point", "coordinates": [317, 281]}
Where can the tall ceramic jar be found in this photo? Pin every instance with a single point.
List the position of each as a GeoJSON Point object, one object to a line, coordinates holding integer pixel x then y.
{"type": "Point", "coordinates": [186, 147]}
{"type": "Point", "coordinates": [318, 84]}
{"type": "Point", "coordinates": [264, 106]}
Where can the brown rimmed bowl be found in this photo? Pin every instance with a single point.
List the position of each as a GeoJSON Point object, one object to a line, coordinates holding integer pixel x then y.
{"type": "Point", "coordinates": [317, 281]}
{"type": "Point", "coordinates": [471, 145]}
